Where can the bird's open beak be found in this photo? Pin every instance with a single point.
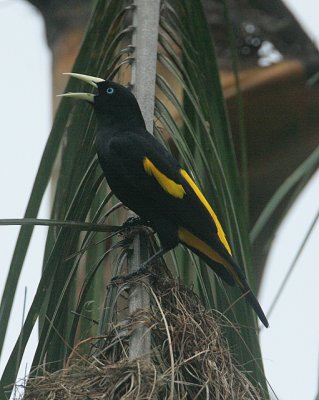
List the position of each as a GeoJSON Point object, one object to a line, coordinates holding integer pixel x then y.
{"type": "Point", "coordinates": [92, 80]}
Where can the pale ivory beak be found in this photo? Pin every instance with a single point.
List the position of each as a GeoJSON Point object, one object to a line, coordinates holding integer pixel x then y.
{"type": "Point", "coordinates": [92, 80]}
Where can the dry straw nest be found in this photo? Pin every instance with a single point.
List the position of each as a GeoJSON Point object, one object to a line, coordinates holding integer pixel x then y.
{"type": "Point", "coordinates": [189, 358]}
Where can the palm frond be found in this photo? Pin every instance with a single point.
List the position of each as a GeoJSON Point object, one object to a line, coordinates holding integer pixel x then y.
{"type": "Point", "coordinates": [78, 182]}
{"type": "Point", "coordinates": [203, 138]}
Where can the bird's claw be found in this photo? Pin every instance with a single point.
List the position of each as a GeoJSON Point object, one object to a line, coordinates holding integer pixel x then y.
{"type": "Point", "coordinates": [131, 222]}
{"type": "Point", "coordinates": [141, 271]}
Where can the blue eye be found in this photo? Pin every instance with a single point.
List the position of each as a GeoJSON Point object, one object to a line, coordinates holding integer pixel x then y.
{"type": "Point", "coordinates": [109, 90]}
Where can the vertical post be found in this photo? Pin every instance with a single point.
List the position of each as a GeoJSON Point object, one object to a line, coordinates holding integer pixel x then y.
{"type": "Point", "coordinates": [145, 39]}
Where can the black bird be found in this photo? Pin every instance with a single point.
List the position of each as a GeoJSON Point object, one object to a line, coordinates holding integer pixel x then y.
{"type": "Point", "coordinates": [148, 180]}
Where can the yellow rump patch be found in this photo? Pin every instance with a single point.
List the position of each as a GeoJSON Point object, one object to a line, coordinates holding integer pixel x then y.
{"type": "Point", "coordinates": [194, 242]}
{"type": "Point", "coordinates": [220, 231]}
{"type": "Point", "coordinates": [171, 187]}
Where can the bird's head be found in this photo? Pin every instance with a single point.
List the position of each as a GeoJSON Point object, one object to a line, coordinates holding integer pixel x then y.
{"type": "Point", "coordinates": [112, 103]}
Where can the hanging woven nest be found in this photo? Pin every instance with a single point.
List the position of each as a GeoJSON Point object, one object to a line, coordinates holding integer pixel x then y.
{"type": "Point", "coordinates": [189, 359]}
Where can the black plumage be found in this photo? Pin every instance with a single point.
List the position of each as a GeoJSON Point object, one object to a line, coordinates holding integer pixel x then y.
{"type": "Point", "coordinates": [148, 180]}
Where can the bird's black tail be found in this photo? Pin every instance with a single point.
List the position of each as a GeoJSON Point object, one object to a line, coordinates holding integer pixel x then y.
{"type": "Point", "coordinates": [240, 279]}
{"type": "Point", "coordinates": [231, 273]}
{"type": "Point", "coordinates": [253, 302]}
{"type": "Point", "coordinates": [251, 299]}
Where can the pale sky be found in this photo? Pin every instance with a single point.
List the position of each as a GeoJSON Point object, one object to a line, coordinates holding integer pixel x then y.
{"type": "Point", "coordinates": [25, 103]}
{"type": "Point", "coordinates": [291, 344]}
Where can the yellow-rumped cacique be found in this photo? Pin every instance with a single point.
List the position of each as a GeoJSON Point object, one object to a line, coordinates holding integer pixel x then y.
{"type": "Point", "coordinates": [149, 181]}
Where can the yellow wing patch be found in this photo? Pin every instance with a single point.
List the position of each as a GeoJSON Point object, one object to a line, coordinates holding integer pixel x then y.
{"type": "Point", "coordinates": [171, 187]}
{"type": "Point", "coordinates": [220, 231]}
{"type": "Point", "coordinates": [193, 241]}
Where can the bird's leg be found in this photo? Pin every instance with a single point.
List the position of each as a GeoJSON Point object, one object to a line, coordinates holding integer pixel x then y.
{"type": "Point", "coordinates": [143, 267]}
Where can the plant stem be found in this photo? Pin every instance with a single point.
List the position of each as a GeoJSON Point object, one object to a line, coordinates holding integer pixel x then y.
{"type": "Point", "coordinates": [145, 39]}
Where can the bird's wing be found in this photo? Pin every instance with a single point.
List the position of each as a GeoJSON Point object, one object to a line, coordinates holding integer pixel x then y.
{"type": "Point", "coordinates": [162, 181]}
{"type": "Point", "coordinates": [190, 207]}
{"type": "Point", "coordinates": [199, 226]}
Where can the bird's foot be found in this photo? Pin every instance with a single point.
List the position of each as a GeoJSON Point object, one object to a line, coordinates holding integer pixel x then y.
{"type": "Point", "coordinates": [143, 269]}
{"type": "Point", "coordinates": [134, 221]}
